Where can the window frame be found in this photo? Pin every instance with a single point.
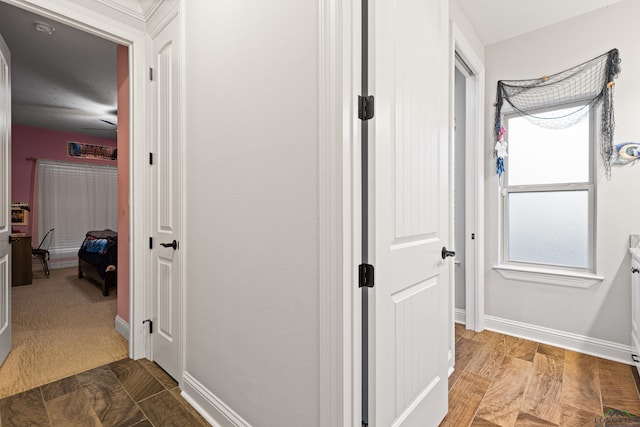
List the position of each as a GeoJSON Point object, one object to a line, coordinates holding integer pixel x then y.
{"type": "Point", "coordinates": [589, 186]}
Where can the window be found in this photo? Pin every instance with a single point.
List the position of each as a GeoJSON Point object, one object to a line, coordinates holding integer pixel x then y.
{"type": "Point", "coordinates": [74, 198]}
{"type": "Point", "coordinates": [549, 193]}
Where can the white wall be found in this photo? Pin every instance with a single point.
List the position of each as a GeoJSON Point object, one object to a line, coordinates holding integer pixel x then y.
{"type": "Point", "coordinates": [466, 29]}
{"type": "Point", "coordinates": [252, 206]}
{"type": "Point", "coordinates": [603, 311]}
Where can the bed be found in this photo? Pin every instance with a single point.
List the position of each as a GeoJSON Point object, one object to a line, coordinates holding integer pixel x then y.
{"type": "Point", "coordinates": [98, 258]}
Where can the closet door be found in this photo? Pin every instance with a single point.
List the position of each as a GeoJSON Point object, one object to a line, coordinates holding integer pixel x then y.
{"type": "Point", "coordinates": [166, 178]}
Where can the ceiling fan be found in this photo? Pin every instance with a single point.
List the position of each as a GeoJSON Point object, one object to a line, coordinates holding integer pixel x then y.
{"type": "Point", "coordinates": [114, 129]}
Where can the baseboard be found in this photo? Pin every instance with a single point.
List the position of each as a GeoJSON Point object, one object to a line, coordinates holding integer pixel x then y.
{"type": "Point", "coordinates": [122, 327]}
{"type": "Point", "coordinates": [214, 410]}
{"type": "Point", "coordinates": [580, 343]}
{"type": "Point", "coordinates": [460, 315]}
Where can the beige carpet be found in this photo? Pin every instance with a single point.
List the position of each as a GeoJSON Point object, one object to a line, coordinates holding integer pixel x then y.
{"type": "Point", "coordinates": [61, 326]}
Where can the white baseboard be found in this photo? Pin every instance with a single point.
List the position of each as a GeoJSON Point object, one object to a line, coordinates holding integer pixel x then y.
{"type": "Point", "coordinates": [214, 410]}
{"type": "Point", "coordinates": [580, 343]}
{"type": "Point", "coordinates": [122, 327]}
{"type": "Point", "coordinates": [460, 315]}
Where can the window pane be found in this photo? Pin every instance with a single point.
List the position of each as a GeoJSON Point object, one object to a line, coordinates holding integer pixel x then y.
{"type": "Point", "coordinates": [538, 155]}
{"type": "Point", "coordinates": [549, 228]}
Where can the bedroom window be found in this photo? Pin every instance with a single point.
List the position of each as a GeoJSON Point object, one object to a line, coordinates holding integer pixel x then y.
{"type": "Point", "coordinates": [74, 198]}
{"type": "Point", "coordinates": [549, 193]}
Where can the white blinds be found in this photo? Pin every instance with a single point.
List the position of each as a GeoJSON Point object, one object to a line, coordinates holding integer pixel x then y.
{"type": "Point", "coordinates": [74, 198]}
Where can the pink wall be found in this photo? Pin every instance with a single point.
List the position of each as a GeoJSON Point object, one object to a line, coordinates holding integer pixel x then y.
{"type": "Point", "coordinates": [29, 142]}
{"type": "Point", "coordinates": [123, 182]}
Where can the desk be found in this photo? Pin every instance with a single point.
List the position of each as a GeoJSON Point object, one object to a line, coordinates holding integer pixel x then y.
{"type": "Point", "coordinates": [21, 261]}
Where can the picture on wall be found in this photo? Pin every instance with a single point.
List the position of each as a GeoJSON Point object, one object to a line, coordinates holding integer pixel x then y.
{"type": "Point", "coordinates": [19, 216]}
{"type": "Point", "coordinates": [90, 151]}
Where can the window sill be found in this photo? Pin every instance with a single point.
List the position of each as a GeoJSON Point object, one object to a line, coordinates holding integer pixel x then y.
{"type": "Point", "coordinates": [549, 277]}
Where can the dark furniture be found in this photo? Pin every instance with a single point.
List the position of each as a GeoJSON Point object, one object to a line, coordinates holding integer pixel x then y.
{"type": "Point", "coordinates": [21, 260]}
{"type": "Point", "coordinates": [98, 258]}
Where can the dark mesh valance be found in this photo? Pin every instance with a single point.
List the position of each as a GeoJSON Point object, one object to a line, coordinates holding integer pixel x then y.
{"type": "Point", "coordinates": [588, 85]}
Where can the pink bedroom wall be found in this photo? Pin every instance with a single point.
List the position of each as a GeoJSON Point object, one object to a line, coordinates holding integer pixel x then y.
{"type": "Point", "coordinates": [123, 182]}
{"type": "Point", "coordinates": [37, 143]}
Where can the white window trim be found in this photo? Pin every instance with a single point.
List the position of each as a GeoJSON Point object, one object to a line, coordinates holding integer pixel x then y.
{"type": "Point", "coordinates": [548, 276]}
{"type": "Point", "coordinates": [548, 273]}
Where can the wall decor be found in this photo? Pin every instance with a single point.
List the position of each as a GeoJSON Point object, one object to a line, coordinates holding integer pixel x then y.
{"type": "Point", "coordinates": [625, 153]}
{"type": "Point", "coordinates": [19, 216]}
{"type": "Point", "coordinates": [90, 151]}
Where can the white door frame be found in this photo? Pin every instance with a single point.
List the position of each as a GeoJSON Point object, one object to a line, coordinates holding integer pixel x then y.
{"type": "Point", "coordinates": [136, 39]}
{"type": "Point", "coordinates": [340, 213]}
{"type": "Point", "coordinates": [474, 186]}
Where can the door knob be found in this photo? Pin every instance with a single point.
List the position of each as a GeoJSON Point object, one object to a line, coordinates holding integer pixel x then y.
{"type": "Point", "coordinates": [173, 245]}
{"type": "Point", "coordinates": [446, 253]}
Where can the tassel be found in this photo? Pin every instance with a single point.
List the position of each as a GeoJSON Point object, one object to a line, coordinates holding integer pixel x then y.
{"type": "Point", "coordinates": [500, 166]}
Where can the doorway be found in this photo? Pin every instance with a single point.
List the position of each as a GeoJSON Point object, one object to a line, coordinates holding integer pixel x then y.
{"type": "Point", "coordinates": [462, 73]}
{"type": "Point", "coordinates": [467, 201]}
{"type": "Point", "coordinates": [117, 27]}
{"type": "Point", "coordinates": [44, 142]}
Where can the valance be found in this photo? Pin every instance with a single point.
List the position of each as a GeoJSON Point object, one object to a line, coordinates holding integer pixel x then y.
{"type": "Point", "coordinates": [584, 86]}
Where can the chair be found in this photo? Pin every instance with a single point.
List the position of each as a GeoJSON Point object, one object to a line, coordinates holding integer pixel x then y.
{"type": "Point", "coordinates": [42, 251]}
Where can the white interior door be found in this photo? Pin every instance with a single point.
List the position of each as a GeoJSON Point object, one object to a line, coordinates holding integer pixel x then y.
{"type": "Point", "coordinates": [167, 173]}
{"type": "Point", "coordinates": [5, 190]}
{"type": "Point", "coordinates": [410, 310]}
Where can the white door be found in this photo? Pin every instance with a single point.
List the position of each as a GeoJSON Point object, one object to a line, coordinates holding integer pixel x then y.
{"type": "Point", "coordinates": [409, 307]}
{"type": "Point", "coordinates": [5, 186]}
{"type": "Point", "coordinates": [166, 181]}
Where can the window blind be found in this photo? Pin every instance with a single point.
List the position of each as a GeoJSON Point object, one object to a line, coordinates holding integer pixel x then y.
{"type": "Point", "coordinates": [74, 198]}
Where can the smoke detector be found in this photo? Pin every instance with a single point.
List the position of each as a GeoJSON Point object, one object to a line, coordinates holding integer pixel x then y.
{"type": "Point", "coordinates": [43, 27]}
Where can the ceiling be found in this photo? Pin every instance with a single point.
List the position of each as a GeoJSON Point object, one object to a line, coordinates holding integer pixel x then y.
{"type": "Point", "coordinates": [67, 80]}
{"type": "Point", "coordinates": [498, 20]}
{"type": "Point", "coordinates": [64, 81]}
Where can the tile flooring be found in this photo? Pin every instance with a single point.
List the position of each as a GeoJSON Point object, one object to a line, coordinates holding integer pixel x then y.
{"type": "Point", "coordinates": [126, 393]}
{"type": "Point", "coordinates": [498, 381]}
{"type": "Point", "coordinates": [506, 381]}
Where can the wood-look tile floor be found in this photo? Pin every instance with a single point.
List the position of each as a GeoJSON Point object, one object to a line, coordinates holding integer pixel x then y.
{"type": "Point", "coordinates": [124, 393]}
{"type": "Point", "coordinates": [505, 381]}
{"type": "Point", "coordinates": [498, 380]}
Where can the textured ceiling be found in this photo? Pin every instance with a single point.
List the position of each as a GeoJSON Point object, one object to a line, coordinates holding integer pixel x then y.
{"type": "Point", "coordinates": [64, 81]}
{"type": "Point", "coordinates": [498, 20]}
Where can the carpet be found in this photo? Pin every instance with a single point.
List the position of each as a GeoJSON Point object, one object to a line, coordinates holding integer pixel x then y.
{"type": "Point", "coordinates": [60, 326]}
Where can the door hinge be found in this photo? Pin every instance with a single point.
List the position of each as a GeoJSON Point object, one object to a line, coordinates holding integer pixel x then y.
{"type": "Point", "coordinates": [151, 158]}
{"type": "Point", "coordinates": [150, 325]}
{"type": "Point", "coordinates": [473, 236]}
{"type": "Point", "coordinates": [150, 74]}
{"type": "Point", "coordinates": [365, 276]}
{"type": "Point", "coordinates": [365, 107]}
{"type": "Point", "coordinates": [150, 242]}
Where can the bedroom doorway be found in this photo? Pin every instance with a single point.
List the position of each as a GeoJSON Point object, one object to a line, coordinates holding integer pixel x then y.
{"type": "Point", "coordinates": [123, 163]}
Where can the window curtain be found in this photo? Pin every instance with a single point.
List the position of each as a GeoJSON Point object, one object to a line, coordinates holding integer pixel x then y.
{"type": "Point", "coordinates": [74, 198]}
